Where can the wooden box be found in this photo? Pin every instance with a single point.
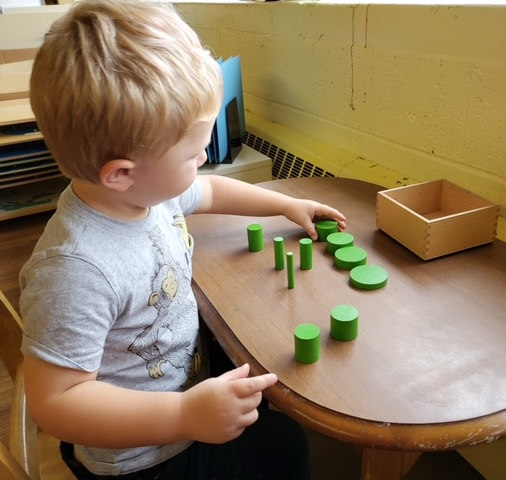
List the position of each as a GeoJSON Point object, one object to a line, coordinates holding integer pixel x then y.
{"type": "Point", "coordinates": [436, 218]}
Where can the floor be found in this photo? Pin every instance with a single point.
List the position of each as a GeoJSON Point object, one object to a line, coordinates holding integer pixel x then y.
{"type": "Point", "coordinates": [331, 459]}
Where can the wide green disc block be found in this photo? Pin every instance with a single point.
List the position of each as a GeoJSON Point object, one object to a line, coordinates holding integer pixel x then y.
{"type": "Point", "coordinates": [344, 322]}
{"type": "Point", "coordinates": [307, 343]}
{"type": "Point", "coordinates": [325, 228]}
{"type": "Point", "coordinates": [339, 240]}
{"type": "Point", "coordinates": [368, 277]}
{"type": "Point", "coordinates": [255, 237]}
{"type": "Point", "coordinates": [350, 257]}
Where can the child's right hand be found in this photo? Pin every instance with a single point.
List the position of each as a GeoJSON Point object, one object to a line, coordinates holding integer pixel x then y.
{"type": "Point", "coordinates": [219, 409]}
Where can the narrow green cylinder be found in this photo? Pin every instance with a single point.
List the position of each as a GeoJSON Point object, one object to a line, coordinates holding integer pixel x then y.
{"type": "Point", "coordinates": [306, 254]}
{"type": "Point", "coordinates": [279, 253]}
{"type": "Point", "coordinates": [290, 268]}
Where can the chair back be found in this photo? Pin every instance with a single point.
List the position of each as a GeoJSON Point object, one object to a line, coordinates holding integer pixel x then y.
{"type": "Point", "coordinates": [32, 454]}
{"type": "Point", "coordinates": [11, 332]}
{"type": "Point", "coordinates": [10, 469]}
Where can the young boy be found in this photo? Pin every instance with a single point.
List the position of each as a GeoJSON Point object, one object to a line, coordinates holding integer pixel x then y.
{"type": "Point", "coordinates": [115, 363]}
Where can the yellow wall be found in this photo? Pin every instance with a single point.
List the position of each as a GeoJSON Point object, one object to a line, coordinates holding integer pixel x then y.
{"type": "Point", "coordinates": [389, 94]}
{"type": "Point", "coordinates": [397, 93]}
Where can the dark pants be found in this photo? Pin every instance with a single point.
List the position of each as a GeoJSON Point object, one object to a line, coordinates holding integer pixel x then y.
{"type": "Point", "coordinates": [273, 448]}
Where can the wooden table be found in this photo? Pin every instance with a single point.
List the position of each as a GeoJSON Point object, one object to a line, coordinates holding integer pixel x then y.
{"type": "Point", "coordinates": [427, 371]}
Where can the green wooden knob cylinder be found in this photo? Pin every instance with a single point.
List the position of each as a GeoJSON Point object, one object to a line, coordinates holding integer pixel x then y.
{"type": "Point", "coordinates": [350, 257]}
{"type": "Point", "coordinates": [325, 228]}
{"type": "Point", "coordinates": [339, 240]}
{"type": "Point", "coordinates": [255, 237]}
{"type": "Point", "coordinates": [306, 253]}
{"type": "Point", "coordinates": [307, 343]}
{"type": "Point", "coordinates": [344, 323]}
{"type": "Point", "coordinates": [368, 277]}
{"type": "Point", "coordinates": [279, 253]}
{"type": "Point", "coordinates": [290, 269]}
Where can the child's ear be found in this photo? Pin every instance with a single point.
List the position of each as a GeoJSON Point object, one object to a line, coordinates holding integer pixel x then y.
{"type": "Point", "coordinates": [117, 174]}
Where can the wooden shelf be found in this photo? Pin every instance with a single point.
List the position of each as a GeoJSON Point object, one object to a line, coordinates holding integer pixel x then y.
{"type": "Point", "coordinates": [15, 111]}
{"type": "Point", "coordinates": [12, 139]}
{"type": "Point", "coordinates": [30, 180]}
{"type": "Point", "coordinates": [29, 198]}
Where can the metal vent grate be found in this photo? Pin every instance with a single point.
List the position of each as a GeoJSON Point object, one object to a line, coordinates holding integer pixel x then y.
{"type": "Point", "coordinates": [284, 164]}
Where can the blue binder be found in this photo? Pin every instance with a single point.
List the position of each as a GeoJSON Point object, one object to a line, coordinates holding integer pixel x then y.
{"type": "Point", "coordinates": [231, 122]}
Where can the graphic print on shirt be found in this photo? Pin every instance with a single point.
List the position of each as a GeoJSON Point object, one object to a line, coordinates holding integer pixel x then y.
{"type": "Point", "coordinates": [180, 222]}
{"type": "Point", "coordinates": [170, 288]}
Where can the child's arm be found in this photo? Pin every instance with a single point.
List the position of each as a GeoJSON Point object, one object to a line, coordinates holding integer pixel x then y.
{"type": "Point", "coordinates": [73, 406]}
{"type": "Point", "coordinates": [229, 196]}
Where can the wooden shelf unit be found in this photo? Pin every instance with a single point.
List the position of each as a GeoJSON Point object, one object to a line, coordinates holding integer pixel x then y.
{"type": "Point", "coordinates": [30, 181]}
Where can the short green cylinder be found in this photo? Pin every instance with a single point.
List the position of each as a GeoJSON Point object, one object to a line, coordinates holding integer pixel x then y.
{"type": "Point", "coordinates": [325, 228]}
{"type": "Point", "coordinates": [368, 277]}
{"type": "Point", "coordinates": [255, 237]}
{"type": "Point", "coordinates": [344, 323]}
{"type": "Point", "coordinates": [350, 257]}
{"type": "Point", "coordinates": [307, 343]}
{"type": "Point", "coordinates": [339, 240]}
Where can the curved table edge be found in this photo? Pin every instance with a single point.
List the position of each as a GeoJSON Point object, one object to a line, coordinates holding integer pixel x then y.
{"type": "Point", "coordinates": [365, 433]}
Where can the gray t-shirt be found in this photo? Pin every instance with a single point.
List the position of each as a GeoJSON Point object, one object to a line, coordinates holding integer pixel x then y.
{"type": "Point", "coordinates": [104, 295]}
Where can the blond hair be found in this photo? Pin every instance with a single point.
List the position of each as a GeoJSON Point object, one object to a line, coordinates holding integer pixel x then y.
{"type": "Point", "coordinates": [120, 79]}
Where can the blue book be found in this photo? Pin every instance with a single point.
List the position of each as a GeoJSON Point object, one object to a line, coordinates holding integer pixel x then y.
{"type": "Point", "coordinates": [233, 95]}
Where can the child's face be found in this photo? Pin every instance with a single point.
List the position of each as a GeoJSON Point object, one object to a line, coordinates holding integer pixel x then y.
{"type": "Point", "coordinates": [166, 178]}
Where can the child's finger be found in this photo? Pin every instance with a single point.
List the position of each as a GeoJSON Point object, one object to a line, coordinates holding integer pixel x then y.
{"type": "Point", "coordinates": [236, 373]}
{"type": "Point", "coordinates": [251, 386]}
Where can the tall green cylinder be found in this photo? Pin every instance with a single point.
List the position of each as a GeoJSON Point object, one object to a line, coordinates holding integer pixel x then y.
{"type": "Point", "coordinates": [306, 253]}
{"type": "Point", "coordinates": [279, 253]}
{"type": "Point", "coordinates": [290, 269]}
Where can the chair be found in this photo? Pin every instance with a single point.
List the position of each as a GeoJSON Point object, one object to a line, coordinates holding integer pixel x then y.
{"type": "Point", "coordinates": [32, 454]}
{"type": "Point", "coordinates": [10, 469]}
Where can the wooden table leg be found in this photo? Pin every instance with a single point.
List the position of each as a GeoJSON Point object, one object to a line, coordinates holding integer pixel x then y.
{"type": "Point", "coordinates": [386, 464]}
